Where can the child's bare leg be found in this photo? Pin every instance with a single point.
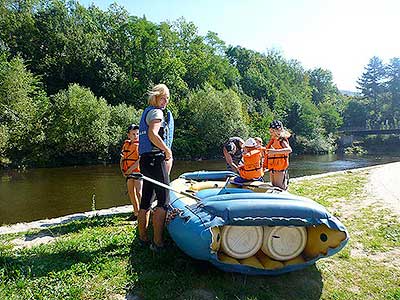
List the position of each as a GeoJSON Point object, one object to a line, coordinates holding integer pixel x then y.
{"type": "Point", "coordinates": [278, 179]}
{"type": "Point", "coordinates": [138, 191]}
{"type": "Point", "coordinates": [132, 195]}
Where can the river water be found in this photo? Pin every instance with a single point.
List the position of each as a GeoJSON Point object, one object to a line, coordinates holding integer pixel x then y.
{"type": "Point", "coordinates": [46, 193]}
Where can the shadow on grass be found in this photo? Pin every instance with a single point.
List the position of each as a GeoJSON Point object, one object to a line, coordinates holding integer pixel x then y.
{"type": "Point", "coordinates": [174, 275]}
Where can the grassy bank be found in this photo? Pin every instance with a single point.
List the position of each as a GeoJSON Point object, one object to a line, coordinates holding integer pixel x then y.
{"type": "Point", "coordinates": [100, 258]}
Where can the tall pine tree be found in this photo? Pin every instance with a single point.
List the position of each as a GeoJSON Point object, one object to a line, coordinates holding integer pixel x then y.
{"type": "Point", "coordinates": [393, 86]}
{"type": "Point", "coordinates": [372, 86]}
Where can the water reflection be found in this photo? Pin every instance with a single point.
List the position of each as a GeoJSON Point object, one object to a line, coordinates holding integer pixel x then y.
{"type": "Point", "coordinates": [46, 193]}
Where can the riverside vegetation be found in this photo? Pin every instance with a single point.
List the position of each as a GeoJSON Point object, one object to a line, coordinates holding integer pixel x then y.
{"type": "Point", "coordinates": [73, 77]}
{"type": "Point", "coordinates": [100, 258]}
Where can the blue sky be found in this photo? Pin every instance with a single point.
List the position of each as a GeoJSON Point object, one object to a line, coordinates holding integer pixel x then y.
{"type": "Point", "coordinates": [338, 35]}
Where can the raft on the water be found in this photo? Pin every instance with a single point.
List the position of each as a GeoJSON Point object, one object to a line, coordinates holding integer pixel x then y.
{"type": "Point", "coordinates": [252, 228]}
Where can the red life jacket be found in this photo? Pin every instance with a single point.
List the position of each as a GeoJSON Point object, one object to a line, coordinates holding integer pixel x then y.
{"type": "Point", "coordinates": [130, 154]}
{"type": "Point", "coordinates": [252, 165]}
{"type": "Point", "coordinates": [276, 162]}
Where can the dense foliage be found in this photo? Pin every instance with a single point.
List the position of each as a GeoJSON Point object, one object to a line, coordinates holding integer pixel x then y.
{"type": "Point", "coordinates": [380, 88]}
{"type": "Point", "coordinates": [73, 77]}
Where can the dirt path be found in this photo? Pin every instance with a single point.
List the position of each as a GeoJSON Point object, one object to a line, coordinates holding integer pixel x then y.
{"type": "Point", "coordinates": [384, 184]}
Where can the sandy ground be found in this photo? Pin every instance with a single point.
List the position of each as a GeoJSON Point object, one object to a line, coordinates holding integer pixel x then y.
{"type": "Point", "coordinates": [383, 187]}
{"type": "Point", "coordinates": [384, 184]}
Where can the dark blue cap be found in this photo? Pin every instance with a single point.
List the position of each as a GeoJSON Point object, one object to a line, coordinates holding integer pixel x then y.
{"type": "Point", "coordinates": [132, 127]}
{"type": "Point", "coordinates": [276, 124]}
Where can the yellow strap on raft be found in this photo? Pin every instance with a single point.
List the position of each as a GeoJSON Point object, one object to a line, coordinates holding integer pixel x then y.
{"type": "Point", "coordinates": [227, 259]}
{"type": "Point", "coordinates": [252, 261]}
{"type": "Point", "coordinates": [267, 262]}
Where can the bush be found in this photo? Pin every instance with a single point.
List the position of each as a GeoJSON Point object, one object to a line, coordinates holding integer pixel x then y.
{"type": "Point", "coordinates": [78, 127]}
{"type": "Point", "coordinates": [215, 116]}
{"type": "Point", "coordinates": [23, 113]}
{"type": "Point", "coordinates": [121, 116]}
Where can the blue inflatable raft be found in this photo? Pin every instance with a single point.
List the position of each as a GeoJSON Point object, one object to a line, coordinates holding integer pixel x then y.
{"type": "Point", "coordinates": [253, 228]}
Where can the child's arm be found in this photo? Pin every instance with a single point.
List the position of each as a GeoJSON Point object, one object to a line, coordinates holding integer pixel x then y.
{"type": "Point", "coordinates": [285, 150]}
{"type": "Point", "coordinates": [121, 165]}
{"type": "Point", "coordinates": [133, 167]}
{"type": "Point", "coordinates": [229, 161]}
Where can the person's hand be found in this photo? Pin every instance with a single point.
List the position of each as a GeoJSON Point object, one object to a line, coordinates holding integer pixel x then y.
{"type": "Point", "coordinates": [168, 154]}
{"type": "Point", "coordinates": [168, 164]}
{"type": "Point", "coordinates": [270, 151]}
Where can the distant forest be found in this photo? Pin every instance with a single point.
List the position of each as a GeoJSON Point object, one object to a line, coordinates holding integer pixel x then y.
{"type": "Point", "coordinates": [72, 78]}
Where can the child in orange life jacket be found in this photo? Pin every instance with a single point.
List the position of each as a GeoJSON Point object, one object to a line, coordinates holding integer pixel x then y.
{"type": "Point", "coordinates": [250, 167]}
{"type": "Point", "coordinates": [129, 163]}
{"type": "Point", "coordinates": [260, 146]}
{"type": "Point", "coordinates": [278, 150]}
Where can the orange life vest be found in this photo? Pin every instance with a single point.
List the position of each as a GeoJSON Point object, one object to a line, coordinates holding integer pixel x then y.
{"type": "Point", "coordinates": [276, 162]}
{"type": "Point", "coordinates": [130, 154]}
{"type": "Point", "coordinates": [252, 165]}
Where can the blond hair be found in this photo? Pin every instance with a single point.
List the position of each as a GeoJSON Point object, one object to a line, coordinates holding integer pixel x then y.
{"type": "Point", "coordinates": [285, 134]}
{"type": "Point", "coordinates": [156, 93]}
{"type": "Point", "coordinates": [258, 139]}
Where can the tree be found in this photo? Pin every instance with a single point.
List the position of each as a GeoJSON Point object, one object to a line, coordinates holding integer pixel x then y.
{"type": "Point", "coordinates": [216, 115]}
{"type": "Point", "coordinates": [24, 110]}
{"type": "Point", "coordinates": [372, 86]}
{"type": "Point", "coordinates": [330, 117]}
{"type": "Point", "coordinates": [355, 114]}
{"type": "Point", "coordinates": [321, 82]}
{"type": "Point", "coordinates": [78, 126]}
{"type": "Point", "coordinates": [393, 86]}
{"type": "Point", "coordinates": [371, 82]}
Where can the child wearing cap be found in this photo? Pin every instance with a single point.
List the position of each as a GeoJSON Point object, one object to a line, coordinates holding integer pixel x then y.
{"type": "Point", "coordinates": [277, 158]}
{"type": "Point", "coordinates": [250, 168]}
{"type": "Point", "coordinates": [129, 163]}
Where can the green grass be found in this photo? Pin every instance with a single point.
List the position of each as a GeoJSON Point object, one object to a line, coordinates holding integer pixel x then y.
{"type": "Point", "coordinates": [100, 258]}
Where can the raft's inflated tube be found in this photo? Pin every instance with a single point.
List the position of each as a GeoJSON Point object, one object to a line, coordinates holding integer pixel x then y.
{"type": "Point", "coordinates": [201, 229]}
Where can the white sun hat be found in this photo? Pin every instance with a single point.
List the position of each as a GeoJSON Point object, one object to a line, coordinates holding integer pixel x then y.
{"type": "Point", "coordinates": [250, 142]}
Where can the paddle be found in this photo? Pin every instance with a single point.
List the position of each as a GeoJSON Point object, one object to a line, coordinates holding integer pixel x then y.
{"type": "Point", "coordinates": [165, 186]}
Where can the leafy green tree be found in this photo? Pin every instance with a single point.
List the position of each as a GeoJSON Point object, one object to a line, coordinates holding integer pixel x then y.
{"type": "Point", "coordinates": [117, 57]}
{"type": "Point", "coordinates": [216, 115]}
{"type": "Point", "coordinates": [23, 112]}
{"type": "Point", "coordinates": [356, 114]}
{"type": "Point", "coordinates": [330, 117]}
{"type": "Point", "coordinates": [121, 116]}
{"type": "Point", "coordinates": [79, 125]}
{"type": "Point", "coordinates": [321, 82]}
